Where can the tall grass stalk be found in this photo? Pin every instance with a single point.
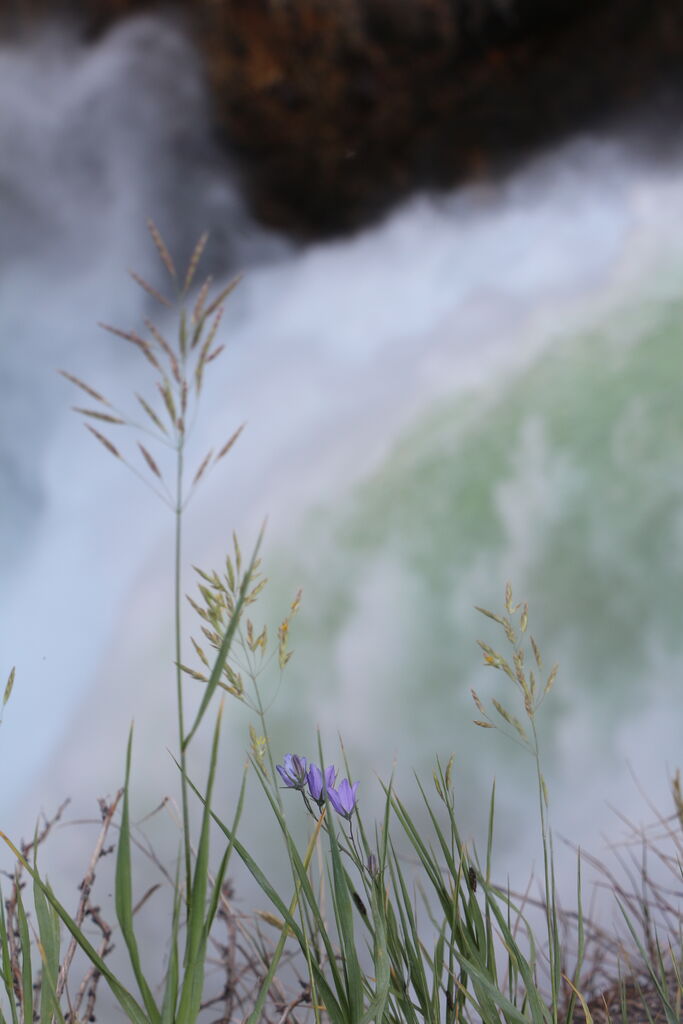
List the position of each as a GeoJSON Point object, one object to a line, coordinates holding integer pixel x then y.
{"type": "Point", "coordinates": [525, 670]}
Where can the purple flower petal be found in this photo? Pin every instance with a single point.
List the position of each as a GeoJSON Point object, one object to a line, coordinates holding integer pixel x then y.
{"type": "Point", "coordinates": [343, 799]}
{"type": "Point", "coordinates": [315, 782]}
{"type": "Point", "coordinates": [293, 771]}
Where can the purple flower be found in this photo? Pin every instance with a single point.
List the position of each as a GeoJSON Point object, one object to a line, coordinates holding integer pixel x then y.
{"type": "Point", "coordinates": [293, 771]}
{"type": "Point", "coordinates": [343, 799]}
{"type": "Point", "coordinates": [315, 782]}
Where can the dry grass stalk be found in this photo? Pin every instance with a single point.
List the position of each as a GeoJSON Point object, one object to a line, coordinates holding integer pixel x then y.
{"type": "Point", "coordinates": [107, 810]}
{"type": "Point", "coordinates": [87, 989]}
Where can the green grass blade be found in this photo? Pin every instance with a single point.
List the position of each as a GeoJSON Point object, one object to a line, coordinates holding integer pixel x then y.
{"type": "Point", "coordinates": [539, 1011]}
{"type": "Point", "coordinates": [48, 931]}
{"type": "Point", "coordinates": [223, 867]}
{"type": "Point", "coordinates": [171, 984]}
{"type": "Point", "coordinates": [344, 912]}
{"type": "Point", "coordinates": [49, 946]}
{"type": "Point", "coordinates": [7, 976]}
{"type": "Point", "coordinates": [425, 855]}
{"type": "Point", "coordinates": [26, 970]}
{"type": "Point", "coordinates": [489, 998]}
{"type": "Point", "coordinates": [195, 948]}
{"type": "Point", "coordinates": [123, 896]}
{"type": "Point", "coordinates": [437, 971]}
{"type": "Point", "coordinates": [581, 945]}
{"type": "Point", "coordinates": [489, 833]}
{"type": "Point", "coordinates": [380, 959]}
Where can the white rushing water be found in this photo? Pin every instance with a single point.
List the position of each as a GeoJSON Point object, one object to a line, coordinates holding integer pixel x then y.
{"type": "Point", "coordinates": [486, 386]}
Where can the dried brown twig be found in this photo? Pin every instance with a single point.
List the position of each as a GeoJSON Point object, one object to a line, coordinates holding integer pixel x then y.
{"type": "Point", "coordinates": [84, 906]}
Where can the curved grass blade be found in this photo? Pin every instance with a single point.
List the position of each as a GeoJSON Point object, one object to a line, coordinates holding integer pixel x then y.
{"type": "Point", "coordinates": [380, 957]}
{"type": "Point", "coordinates": [344, 915]}
{"type": "Point", "coordinates": [123, 896]}
{"type": "Point", "coordinates": [7, 978]}
{"type": "Point", "coordinates": [197, 929]}
{"type": "Point", "coordinates": [26, 971]}
{"type": "Point", "coordinates": [48, 930]}
{"type": "Point", "coordinates": [170, 1000]}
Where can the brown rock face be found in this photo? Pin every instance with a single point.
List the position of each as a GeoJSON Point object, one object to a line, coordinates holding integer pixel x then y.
{"type": "Point", "coordinates": [340, 106]}
{"type": "Point", "coordinates": [336, 108]}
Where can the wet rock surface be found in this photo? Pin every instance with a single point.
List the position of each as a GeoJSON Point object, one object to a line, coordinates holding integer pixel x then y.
{"type": "Point", "coordinates": [336, 108]}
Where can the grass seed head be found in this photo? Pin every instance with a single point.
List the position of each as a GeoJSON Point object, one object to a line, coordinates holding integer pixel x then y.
{"type": "Point", "coordinates": [551, 679]}
{"type": "Point", "coordinates": [194, 260]}
{"type": "Point", "coordinates": [192, 673]}
{"type": "Point", "coordinates": [489, 615]}
{"type": "Point", "coordinates": [134, 338]}
{"type": "Point", "coordinates": [198, 311]}
{"type": "Point", "coordinates": [200, 653]}
{"type": "Point", "coordinates": [676, 794]}
{"type": "Point", "coordinates": [200, 472]}
{"type": "Point", "coordinates": [162, 248]}
{"type": "Point", "coordinates": [104, 441]}
{"type": "Point", "coordinates": [477, 701]}
{"type": "Point", "coordinates": [104, 417]}
{"type": "Point", "coordinates": [222, 295]}
{"type": "Point", "coordinates": [504, 714]}
{"type": "Point", "coordinates": [509, 632]}
{"type": "Point", "coordinates": [524, 618]}
{"type": "Point", "coordinates": [151, 290]}
{"type": "Point", "coordinates": [166, 349]}
{"type": "Point", "coordinates": [152, 415]}
{"type": "Point", "coordinates": [84, 387]}
{"type": "Point", "coordinates": [448, 777]}
{"type": "Point", "coordinates": [167, 396]}
{"type": "Point", "coordinates": [9, 685]}
{"type": "Point", "coordinates": [229, 443]}
{"type": "Point", "coordinates": [150, 461]}
{"type": "Point", "coordinates": [258, 747]}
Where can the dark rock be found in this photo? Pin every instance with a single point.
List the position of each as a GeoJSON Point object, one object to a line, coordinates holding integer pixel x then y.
{"type": "Point", "coordinates": [336, 108]}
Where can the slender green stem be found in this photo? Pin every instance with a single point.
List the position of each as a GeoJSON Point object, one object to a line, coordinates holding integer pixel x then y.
{"type": "Point", "coordinates": [260, 710]}
{"type": "Point", "coordinates": [548, 875]}
{"type": "Point", "coordinates": [177, 586]}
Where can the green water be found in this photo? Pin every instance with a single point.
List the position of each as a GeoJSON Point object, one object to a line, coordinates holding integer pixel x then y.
{"type": "Point", "coordinates": [565, 477]}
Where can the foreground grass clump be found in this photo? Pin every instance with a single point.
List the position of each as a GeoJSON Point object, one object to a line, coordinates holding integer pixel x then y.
{"type": "Point", "coordinates": [358, 936]}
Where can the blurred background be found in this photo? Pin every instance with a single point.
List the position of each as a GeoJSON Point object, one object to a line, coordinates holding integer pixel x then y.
{"type": "Point", "coordinates": [457, 349]}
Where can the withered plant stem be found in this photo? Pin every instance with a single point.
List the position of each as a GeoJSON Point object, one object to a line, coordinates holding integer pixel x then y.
{"type": "Point", "coordinates": [108, 813]}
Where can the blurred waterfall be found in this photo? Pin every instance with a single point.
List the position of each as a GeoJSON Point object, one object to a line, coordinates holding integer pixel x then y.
{"type": "Point", "coordinates": [484, 387]}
